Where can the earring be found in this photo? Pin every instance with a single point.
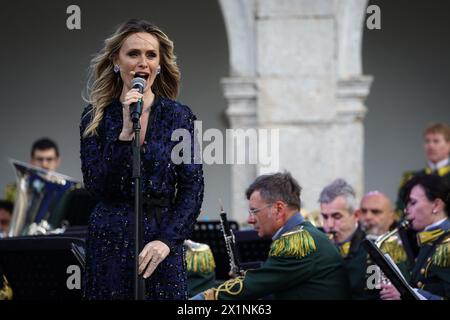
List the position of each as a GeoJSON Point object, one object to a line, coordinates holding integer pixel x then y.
{"type": "Point", "coordinates": [158, 71]}
{"type": "Point", "coordinates": [116, 68]}
{"type": "Point", "coordinates": [434, 211]}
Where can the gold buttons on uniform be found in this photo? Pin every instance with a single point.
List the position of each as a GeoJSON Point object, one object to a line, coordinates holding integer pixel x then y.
{"type": "Point", "coordinates": [419, 284]}
{"type": "Point", "coordinates": [422, 271]}
{"type": "Point", "coordinates": [429, 259]}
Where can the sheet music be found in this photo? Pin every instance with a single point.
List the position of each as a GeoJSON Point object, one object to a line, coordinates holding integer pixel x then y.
{"type": "Point", "coordinates": [394, 266]}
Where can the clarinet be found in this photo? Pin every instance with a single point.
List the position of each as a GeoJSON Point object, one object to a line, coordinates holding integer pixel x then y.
{"type": "Point", "coordinates": [235, 266]}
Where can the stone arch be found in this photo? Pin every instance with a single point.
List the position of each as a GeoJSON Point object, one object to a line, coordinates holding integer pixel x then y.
{"type": "Point", "coordinates": [240, 26]}
{"type": "Point", "coordinates": [351, 23]}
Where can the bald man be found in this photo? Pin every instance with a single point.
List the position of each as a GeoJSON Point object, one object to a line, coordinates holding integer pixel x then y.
{"type": "Point", "coordinates": [377, 217]}
{"type": "Point", "coordinates": [377, 214]}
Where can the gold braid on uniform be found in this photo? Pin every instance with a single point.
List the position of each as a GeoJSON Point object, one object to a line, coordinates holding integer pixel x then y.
{"type": "Point", "coordinates": [441, 256]}
{"type": "Point", "coordinates": [233, 287]}
{"type": "Point", "coordinates": [395, 250]}
{"type": "Point", "coordinates": [199, 258]}
{"type": "Point", "coordinates": [295, 243]}
{"type": "Point", "coordinates": [6, 292]}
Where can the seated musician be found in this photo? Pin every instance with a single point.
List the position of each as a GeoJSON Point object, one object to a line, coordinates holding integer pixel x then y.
{"type": "Point", "coordinates": [302, 262]}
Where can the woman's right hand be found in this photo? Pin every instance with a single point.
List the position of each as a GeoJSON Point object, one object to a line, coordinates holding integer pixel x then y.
{"type": "Point", "coordinates": [131, 96]}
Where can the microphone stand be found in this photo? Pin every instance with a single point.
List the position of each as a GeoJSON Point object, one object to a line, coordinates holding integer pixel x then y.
{"type": "Point", "coordinates": [139, 281]}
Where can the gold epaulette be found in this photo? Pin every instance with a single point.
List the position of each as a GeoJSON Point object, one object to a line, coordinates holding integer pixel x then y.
{"type": "Point", "coordinates": [394, 248]}
{"type": "Point", "coordinates": [443, 171]}
{"type": "Point", "coordinates": [6, 292]}
{"type": "Point", "coordinates": [10, 192]}
{"type": "Point", "coordinates": [199, 257]}
{"type": "Point", "coordinates": [406, 177]}
{"type": "Point", "coordinates": [441, 256]}
{"type": "Point", "coordinates": [295, 243]}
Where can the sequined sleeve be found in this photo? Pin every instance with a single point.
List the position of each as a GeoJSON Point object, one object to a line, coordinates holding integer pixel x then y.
{"type": "Point", "coordinates": [105, 161]}
{"type": "Point", "coordinates": [177, 226]}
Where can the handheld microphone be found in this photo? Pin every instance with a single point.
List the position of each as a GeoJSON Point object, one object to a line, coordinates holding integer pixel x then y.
{"type": "Point", "coordinates": [136, 108]}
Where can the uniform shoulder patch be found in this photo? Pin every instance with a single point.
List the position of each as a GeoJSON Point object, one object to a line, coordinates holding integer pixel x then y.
{"type": "Point", "coordinates": [407, 175]}
{"type": "Point", "coordinates": [296, 243]}
{"type": "Point", "coordinates": [441, 256]}
{"type": "Point", "coordinates": [199, 257]}
{"type": "Point", "coordinates": [444, 171]}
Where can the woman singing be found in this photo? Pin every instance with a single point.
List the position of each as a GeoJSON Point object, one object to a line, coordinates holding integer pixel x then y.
{"type": "Point", "coordinates": [172, 193]}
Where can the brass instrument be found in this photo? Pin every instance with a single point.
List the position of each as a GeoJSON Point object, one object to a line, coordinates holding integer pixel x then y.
{"type": "Point", "coordinates": [404, 224]}
{"type": "Point", "coordinates": [391, 237]}
{"type": "Point", "coordinates": [37, 196]}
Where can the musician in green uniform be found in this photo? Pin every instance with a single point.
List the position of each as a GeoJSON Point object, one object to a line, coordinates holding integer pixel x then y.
{"type": "Point", "coordinates": [200, 267]}
{"type": "Point", "coordinates": [377, 219]}
{"type": "Point", "coordinates": [427, 209]}
{"type": "Point", "coordinates": [437, 149]}
{"type": "Point", "coordinates": [340, 215]}
{"type": "Point", "coordinates": [302, 262]}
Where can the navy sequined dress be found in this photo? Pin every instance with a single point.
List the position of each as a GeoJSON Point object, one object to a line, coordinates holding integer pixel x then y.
{"type": "Point", "coordinates": [172, 196]}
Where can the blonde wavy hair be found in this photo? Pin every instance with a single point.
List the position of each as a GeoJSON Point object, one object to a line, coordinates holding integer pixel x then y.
{"type": "Point", "coordinates": [104, 85]}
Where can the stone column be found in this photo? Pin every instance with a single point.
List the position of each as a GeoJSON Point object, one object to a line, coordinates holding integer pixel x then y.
{"type": "Point", "coordinates": [297, 87]}
{"type": "Point", "coordinates": [241, 96]}
{"type": "Point", "coordinates": [240, 91]}
{"type": "Point", "coordinates": [308, 89]}
{"type": "Point", "coordinates": [295, 65]}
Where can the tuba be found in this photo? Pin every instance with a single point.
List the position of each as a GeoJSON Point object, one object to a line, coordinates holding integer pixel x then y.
{"type": "Point", "coordinates": [37, 207]}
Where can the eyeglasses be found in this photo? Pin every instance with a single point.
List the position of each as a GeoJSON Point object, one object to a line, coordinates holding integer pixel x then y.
{"type": "Point", "coordinates": [254, 212]}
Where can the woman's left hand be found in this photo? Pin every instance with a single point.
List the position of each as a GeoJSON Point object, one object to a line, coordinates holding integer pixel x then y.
{"type": "Point", "coordinates": [151, 256]}
{"type": "Point", "coordinates": [389, 292]}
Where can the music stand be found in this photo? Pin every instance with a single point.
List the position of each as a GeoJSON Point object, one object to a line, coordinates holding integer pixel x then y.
{"type": "Point", "coordinates": [37, 267]}
{"type": "Point", "coordinates": [253, 250]}
{"type": "Point", "coordinates": [210, 232]}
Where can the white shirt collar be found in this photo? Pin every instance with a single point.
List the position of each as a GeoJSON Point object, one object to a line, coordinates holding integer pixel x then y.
{"type": "Point", "coordinates": [438, 165]}
{"type": "Point", "coordinates": [434, 224]}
